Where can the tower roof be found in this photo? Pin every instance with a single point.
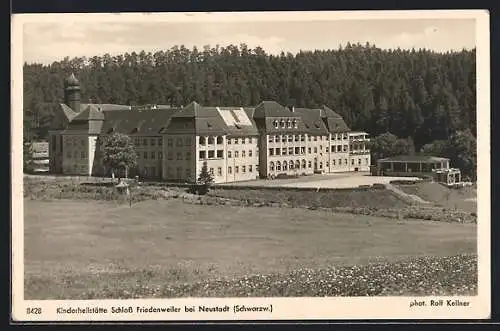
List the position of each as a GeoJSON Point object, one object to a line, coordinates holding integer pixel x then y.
{"type": "Point", "coordinates": [72, 81]}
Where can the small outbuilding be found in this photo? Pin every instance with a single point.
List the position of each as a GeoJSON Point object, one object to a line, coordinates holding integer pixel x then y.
{"type": "Point", "coordinates": [411, 165]}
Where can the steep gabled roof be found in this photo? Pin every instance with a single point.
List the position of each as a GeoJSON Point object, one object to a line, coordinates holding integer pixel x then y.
{"type": "Point", "coordinates": [271, 109]}
{"type": "Point", "coordinates": [92, 112]}
{"type": "Point", "coordinates": [312, 121]}
{"type": "Point", "coordinates": [104, 106]}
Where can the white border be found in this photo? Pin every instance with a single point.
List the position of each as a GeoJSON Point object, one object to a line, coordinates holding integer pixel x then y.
{"type": "Point", "coordinates": [283, 308]}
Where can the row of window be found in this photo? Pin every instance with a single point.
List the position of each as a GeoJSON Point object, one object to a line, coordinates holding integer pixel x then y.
{"type": "Point", "coordinates": [284, 165]}
{"type": "Point", "coordinates": [148, 142]}
{"type": "Point", "coordinates": [150, 155]}
{"type": "Point", "coordinates": [243, 169]}
{"type": "Point", "coordinates": [237, 154]}
{"type": "Point", "coordinates": [170, 156]}
{"type": "Point", "coordinates": [302, 150]}
{"type": "Point", "coordinates": [75, 154]}
{"type": "Point", "coordinates": [211, 154]}
{"type": "Point", "coordinates": [179, 142]}
{"type": "Point", "coordinates": [219, 140]}
{"type": "Point", "coordinates": [285, 124]}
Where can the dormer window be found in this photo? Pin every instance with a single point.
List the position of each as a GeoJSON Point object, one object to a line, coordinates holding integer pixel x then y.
{"type": "Point", "coordinates": [275, 123]}
{"type": "Point", "coordinates": [294, 124]}
{"type": "Point", "coordinates": [289, 124]}
{"type": "Point", "coordinates": [282, 124]}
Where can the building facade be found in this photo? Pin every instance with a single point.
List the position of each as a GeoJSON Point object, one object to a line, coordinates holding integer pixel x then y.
{"type": "Point", "coordinates": [237, 143]}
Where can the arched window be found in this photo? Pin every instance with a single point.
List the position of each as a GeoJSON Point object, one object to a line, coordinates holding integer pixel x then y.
{"type": "Point", "coordinates": [211, 140]}
{"type": "Point", "coordinates": [271, 166]}
{"type": "Point", "coordinates": [297, 164]}
{"type": "Point", "coordinates": [202, 140]}
{"type": "Point", "coordinates": [290, 165]}
{"type": "Point", "coordinates": [219, 140]}
{"type": "Point", "coordinates": [285, 165]}
{"type": "Point", "coordinates": [303, 164]}
{"type": "Point", "coordinates": [278, 165]}
{"type": "Point", "coordinates": [275, 123]}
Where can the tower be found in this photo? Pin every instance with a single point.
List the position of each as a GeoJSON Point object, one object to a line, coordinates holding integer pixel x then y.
{"type": "Point", "coordinates": [72, 93]}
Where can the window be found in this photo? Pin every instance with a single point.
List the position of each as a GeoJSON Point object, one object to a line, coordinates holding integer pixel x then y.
{"type": "Point", "coordinates": [202, 155]}
{"type": "Point", "coordinates": [160, 155]}
{"type": "Point", "coordinates": [309, 164]}
{"type": "Point", "coordinates": [278, 166]}
{"type": "Point", "coordinates": [179, 156]}
{"type": "Point", "coordinates": [211, 140]}
{"type": "Point", "coordinates": [271, 139]}
{"type": "Point", "coordinates": [179, 172]}
{"type": "Point", "coordinates": [289, 124]}
{"type": "Point", "coordinates": [278, 151]}
{"type": "Point", "coordinates": [212, 171]}
{"type": "Point", "coordinates": [137, 141]}
{"type": "Point", "coordinates": [271, 151]}
{"type": "Point", "coordinates": [82, 155]}
{"type": "Point", "coordinates": [304, 163]}
{"type": "Point", "coordinates": [250, 168]}
{"type": "Point", "coordinates": [282, 124]}
{"type": "Point", "coordinates": [294, 123]}
{"type": "Point", "coordinates": [359, 161]}
{"type": "Point", "coordinates": [243, 169]}
{"type": "Point", "coordinates": [236, 169]}
{"type": "Point", "coordinates": [153, 156]}
{"type": "Point", "coordinates": [285, 165]}
{"type": "Point", "coordinates": [243, 153]}
{"type": "Point", "coordinates": [315, 149]}
{"type": "Point", "coordinates": [366, 160]}
{"type": "Point", "coordinates": [302, 137]}
{"type": "Point", "coordinates": [339, 148]}
{"type": "Point", "coordinates": [321, 165]}
{"type": "Point", "coordinates": [188, 155]}
{"type": "Point", "coordinates": [345, 161]}
{"type": "Point", "coordinates": [250, 153]}
{"type": "Point", "coordinates": [352, 161]}
{"type": "Point", "coordinates": [291, 165]}
{"type": "Point", "coordinates": [290, 150]}
{"type": "Point", "coordinates": [315, 138]}
{"type": "Point", "coordinates": [153, 142]}
{"type": "Point", "coordinates": [333, 162]}
{"type": "Point", "coordinates": [236, 140]}
{"type": "Point", "coordinates": [332, 149]}
{"type": "Point", "coordinates": [297, 150]}
{"type": "Point", "coordinates": [275, 123]}
{"type": "Point", "coordinates": [309, 138]}
{"type": "Point", "coordinates": [309, 150]}
{"type": "Point", "coordinates": [188, 172]}
{"type": "Point", "coordinates": [188, 142]}
{"type": "Point", "coordinates": [271, 166]}
{"type": "Point", "coordinates": [219, 171]}
{"type": "Point", "coordinates": [145, 155]}
{"type": "Point", "coordinates": [169, 142]}
{"type": "Point", "coordinates": [219, 141]}
{"type": "Point", "coordinates": [296, 138]}
{"type": "Point", "coordinates": [229, 141]}
{"type": "Point", "coordinates": [211, 154]}
{"type": "Point", "coordinates": [220, 154]}
{"type": "Point", "coordinates": [302, 150]}
{"type": "Point", "coordinates": [145, 142]}
{"type": "Point", "coordinates": [178, 142]}
{"type": "Point", "coordinates": [170, 156]}
{"type": "Point", "coordinates": [290, 139]}
{"type": "Point", "coordinates": [320, 147]}
{"type": "Point", "coordinates": [283, 151]}
{"type": "Point", "coordinates": [229, 170]}
{"type": "Point", "coordinates": [297, 164]}
{"type": "Point", "coordinates": [243, 140]}
{"type": "Point", "coordinates": [202, 141]}
{"type": "Point", "coordinates": [277, 139]}
{"type": "Point", "coordinates": [345, 148]}
{"type": "Point", "coordinates": [340, 162]}
{"type": "Point", "coordinates": [236, 154]}
{"type": "Point", "coordinates": [229, 154]}
{"type": "Point", "coordinates": [160, 142]}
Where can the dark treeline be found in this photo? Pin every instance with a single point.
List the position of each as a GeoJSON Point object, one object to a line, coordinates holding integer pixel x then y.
{"type": "Point", "coordinates": [411, 93]}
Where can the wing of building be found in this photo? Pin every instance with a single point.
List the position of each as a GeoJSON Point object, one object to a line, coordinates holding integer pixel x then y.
{"type": "Point", "coordinates": [238, 143]}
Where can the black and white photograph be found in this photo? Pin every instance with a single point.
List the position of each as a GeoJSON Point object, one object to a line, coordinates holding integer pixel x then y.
{"type": "Point", "coordinates": [258, 165]}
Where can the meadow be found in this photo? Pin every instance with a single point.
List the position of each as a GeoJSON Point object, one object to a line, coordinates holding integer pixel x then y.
{"type": "Point", "coordinates": [78, 249]}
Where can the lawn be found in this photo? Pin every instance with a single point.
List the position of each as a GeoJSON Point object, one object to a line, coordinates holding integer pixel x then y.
{"type": "Point", "coordinates": [85, 249]}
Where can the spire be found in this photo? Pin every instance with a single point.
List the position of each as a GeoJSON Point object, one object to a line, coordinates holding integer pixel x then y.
{"type": "Point", "coordinates": [72, 81]}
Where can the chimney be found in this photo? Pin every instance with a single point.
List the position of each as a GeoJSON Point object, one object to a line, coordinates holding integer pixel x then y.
{"type": "Point", "coordinates": [291, 105]}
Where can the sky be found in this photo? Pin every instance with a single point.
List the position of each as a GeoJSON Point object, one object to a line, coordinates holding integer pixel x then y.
{"type": "Point", "coordinates": [47, 39]}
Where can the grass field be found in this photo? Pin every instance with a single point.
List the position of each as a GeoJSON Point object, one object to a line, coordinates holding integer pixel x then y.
{"type": "Point", "coordinates": [85, 249]}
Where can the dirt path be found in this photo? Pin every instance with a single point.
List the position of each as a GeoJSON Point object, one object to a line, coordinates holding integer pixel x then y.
{"type": "Point", "coordinates": [406, 196]}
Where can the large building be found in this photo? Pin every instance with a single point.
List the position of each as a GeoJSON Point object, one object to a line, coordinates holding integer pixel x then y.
{"type": "Point", "coordinates": [238, 143]}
